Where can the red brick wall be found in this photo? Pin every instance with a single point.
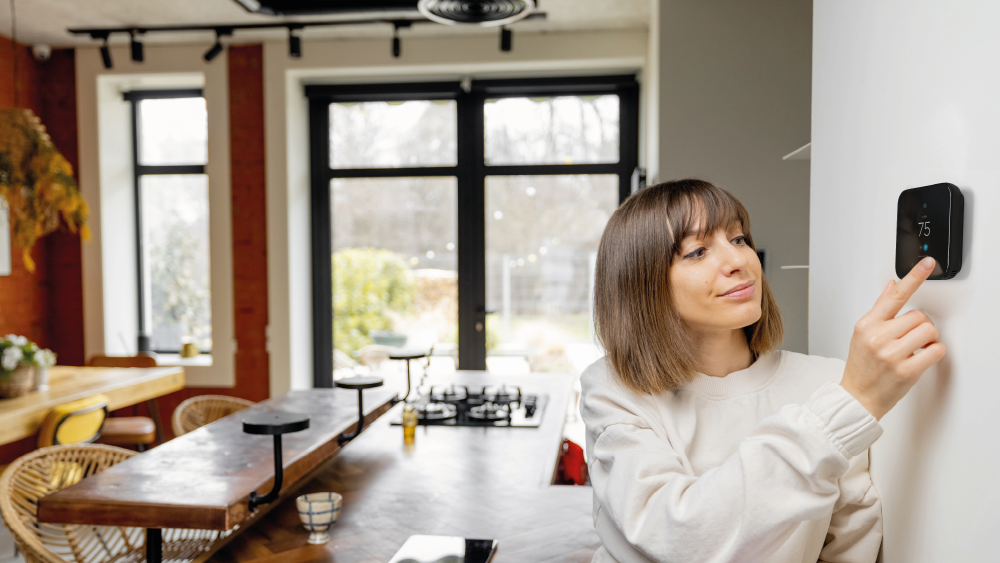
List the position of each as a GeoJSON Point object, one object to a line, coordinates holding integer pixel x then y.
{"type": "Point", "coordinates": [23, 295]}
{"type": "Point", "coordinates": [246, 138]}
{"type": "Point", "coordinates": [48, 306]}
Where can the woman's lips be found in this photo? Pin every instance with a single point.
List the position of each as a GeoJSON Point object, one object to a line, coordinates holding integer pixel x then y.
{"type": "Point", "coordinates": [741, 291]}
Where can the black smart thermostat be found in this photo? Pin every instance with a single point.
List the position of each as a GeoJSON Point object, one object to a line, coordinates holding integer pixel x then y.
{"type": "Point", "coordinates": [929, 222]}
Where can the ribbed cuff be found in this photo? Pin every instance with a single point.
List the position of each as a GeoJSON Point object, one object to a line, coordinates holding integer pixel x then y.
{"type": "Point", "coordinates": [848, 424]}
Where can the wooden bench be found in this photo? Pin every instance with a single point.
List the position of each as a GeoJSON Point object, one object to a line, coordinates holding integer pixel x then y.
{"type": "Point", "coordinates": [203, 479]}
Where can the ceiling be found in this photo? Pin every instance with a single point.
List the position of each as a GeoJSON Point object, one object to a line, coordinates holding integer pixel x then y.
{"type": "Point", "coordinates": [46, 21]}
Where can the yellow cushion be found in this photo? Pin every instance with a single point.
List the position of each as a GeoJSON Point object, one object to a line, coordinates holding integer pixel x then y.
{"type": "Point", "coordinates": [74, 422]}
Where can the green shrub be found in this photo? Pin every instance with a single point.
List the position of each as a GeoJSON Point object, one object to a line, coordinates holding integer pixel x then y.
{"type": "Point", "coordinates": [369, 285]}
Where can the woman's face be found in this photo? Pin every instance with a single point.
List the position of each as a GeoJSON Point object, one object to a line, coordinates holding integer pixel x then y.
{"type": "Point", "coordinates": [715, 281]}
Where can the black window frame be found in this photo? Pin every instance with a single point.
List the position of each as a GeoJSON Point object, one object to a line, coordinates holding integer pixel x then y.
{"type": "Point", "coordinates": [470, 171]}
{"type": "Point", "coordinates": [139, 170]}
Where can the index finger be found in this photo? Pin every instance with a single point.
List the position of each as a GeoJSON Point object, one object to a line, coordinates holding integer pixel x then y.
{"type": "Point", "coordinates": [888, 304]}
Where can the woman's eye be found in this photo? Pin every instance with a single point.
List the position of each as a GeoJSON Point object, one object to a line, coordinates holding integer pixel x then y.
{"type": "Point", "coordinates": [698, 253]}
{"type": "Point", "coordinates": [740, 240]}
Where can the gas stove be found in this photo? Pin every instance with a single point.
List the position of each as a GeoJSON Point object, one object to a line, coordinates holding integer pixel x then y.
{"type": "Point", "coordinates": [461, 405]}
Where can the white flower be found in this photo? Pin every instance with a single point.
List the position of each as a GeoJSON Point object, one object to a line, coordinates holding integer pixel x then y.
{"type": "Point", "coordinates": [45, 358]}
{"type": "Point", "coordinates": [16, 340]}
{"type": "Point", "coordinates": [11, 357]}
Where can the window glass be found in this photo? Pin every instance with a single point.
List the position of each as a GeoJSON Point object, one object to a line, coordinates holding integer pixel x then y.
{"type": "Point", "coordinates": [393, 134]}
{"type": "Point", "coordinates": [173, 131]}
{"type": "Point", "coordinates": [542, 234]}
{"type": "Point", "coordinates": [395, 262]}
{"type": "Point", "coordinates": [176, 260]}
{"type": "Point", "coordinates": [555, 130]}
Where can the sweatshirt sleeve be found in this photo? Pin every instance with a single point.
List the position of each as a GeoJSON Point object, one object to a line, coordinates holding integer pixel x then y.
{"type": "Point", "coordinates": [855, 532]}
{"type": "Point", "coordinates": [786, 472]}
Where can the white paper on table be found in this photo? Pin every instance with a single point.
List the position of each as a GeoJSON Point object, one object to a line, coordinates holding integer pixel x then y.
{"type": "Point", "coordinates": [5, 268]}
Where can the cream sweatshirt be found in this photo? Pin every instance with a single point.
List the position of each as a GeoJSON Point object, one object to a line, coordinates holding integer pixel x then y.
{"type": "Point", "coordinates": [768, 464]}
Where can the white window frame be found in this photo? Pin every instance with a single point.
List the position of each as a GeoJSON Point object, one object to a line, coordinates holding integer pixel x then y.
{"type": "Point", "coordinates": [110, 276]}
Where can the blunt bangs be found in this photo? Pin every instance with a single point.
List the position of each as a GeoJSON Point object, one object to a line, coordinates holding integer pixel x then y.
{"type": "Point", "coordinates": [697, 208]}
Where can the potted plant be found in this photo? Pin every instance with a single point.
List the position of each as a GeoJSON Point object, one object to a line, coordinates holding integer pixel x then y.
{"type": "Point", "coordinates": [18, 359]}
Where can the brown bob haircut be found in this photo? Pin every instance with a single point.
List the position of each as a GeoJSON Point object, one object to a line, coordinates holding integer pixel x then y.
{"type": "Point", "coordinates": [648, 345]}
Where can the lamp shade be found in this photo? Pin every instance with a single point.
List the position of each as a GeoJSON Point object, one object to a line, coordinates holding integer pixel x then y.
{"type": "Point", "coordinates": [37, 182]}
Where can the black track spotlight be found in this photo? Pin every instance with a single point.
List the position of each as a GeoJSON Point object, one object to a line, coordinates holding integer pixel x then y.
{"type": "Point", "coordinates": [136, 46]}
{"type": "Point", "coordinates": [213, 52]}
{"type": "Point", "coordinates": [396, 44]}
{"type": "Point", "coordinates": [216, 49]}
{"type": "Point", "coordinates": [106, 54]}
{"type": "Point", "coordinates": [294, 44]}
{"type": "Point", "coordinates": [506, 39]}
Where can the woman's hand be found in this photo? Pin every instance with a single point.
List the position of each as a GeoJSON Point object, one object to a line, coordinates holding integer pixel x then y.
{"type": "Point", "coordinates": [889, 353]}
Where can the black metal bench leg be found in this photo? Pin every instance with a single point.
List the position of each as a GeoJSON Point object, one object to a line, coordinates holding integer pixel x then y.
{"type": "Point", "coordinates": [154, 545]}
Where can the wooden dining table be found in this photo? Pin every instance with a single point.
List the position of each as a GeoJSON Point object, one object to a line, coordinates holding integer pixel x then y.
{"type": "Point", "coordinates": [20, 417]}
{"type": "Point", "coordinates": [204, 479]}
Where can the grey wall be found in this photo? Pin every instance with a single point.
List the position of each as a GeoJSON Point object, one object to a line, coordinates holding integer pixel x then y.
{"type": "Point", "coordinates": [734, 97]}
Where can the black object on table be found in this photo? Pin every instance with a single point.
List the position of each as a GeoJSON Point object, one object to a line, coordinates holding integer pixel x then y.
{"type": "Point", "coordinates": [407, 355]}
{"type": "Point", "coordinates": [273, 423]}
{"type": "Point", "coordinates": [360, 383]}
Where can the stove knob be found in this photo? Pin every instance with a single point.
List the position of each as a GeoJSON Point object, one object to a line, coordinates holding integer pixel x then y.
{"type": "Point", "coordinates": [529, 410]}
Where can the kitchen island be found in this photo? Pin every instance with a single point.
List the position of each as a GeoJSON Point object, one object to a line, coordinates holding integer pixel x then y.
{"type": "Point", "coordinates": [454, 481]}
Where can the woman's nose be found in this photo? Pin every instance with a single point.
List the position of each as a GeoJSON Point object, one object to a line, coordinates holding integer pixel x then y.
{"type": "Point", "coordinates": [733, 260]}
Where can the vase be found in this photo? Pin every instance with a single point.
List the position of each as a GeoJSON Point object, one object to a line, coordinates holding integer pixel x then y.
{"type": "Point", "coordinates": [17, 382]}
{"type": "Point", "coordinates": [41, 379]}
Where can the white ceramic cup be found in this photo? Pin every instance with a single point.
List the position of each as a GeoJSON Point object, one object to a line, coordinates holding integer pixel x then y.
{"type": "Point", "coordinates": [318, 512]}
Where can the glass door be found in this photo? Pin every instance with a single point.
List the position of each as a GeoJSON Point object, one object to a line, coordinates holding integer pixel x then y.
{"type": "Point", "coordinates": [543, 230]}
{"type": "Point", "coordinates": [465, 218]}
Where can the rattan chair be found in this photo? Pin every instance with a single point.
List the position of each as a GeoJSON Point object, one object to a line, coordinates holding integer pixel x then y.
{"type": "Point", "coordinates": [374, 356]}
{"type": "Point", "coordinates": [52, 469]}
{"type": "Point", "coordinates": [204, 409]}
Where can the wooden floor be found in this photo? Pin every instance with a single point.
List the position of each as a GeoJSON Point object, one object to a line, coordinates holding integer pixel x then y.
{"type": "Point", "coordinates": [471, 482]}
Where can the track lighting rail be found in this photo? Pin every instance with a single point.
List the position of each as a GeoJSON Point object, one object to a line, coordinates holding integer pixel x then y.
{"type": "Point", "coordinates": [104, 32]}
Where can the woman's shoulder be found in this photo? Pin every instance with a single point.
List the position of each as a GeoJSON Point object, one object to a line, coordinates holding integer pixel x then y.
{"type": "Point", "coordinates": [804, 366]}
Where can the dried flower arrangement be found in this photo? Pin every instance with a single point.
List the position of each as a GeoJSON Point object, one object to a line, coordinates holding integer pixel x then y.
{"type": "Point", "coordinates": [37, 182]}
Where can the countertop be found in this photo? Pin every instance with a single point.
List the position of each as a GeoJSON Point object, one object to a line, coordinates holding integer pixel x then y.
{"type": "Point", "coordinates": [455, 481]}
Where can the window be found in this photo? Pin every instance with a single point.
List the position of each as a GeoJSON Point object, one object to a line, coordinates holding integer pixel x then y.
{"type": "Point", "coordinates": [467, 219]}
{"type": "Point", "coordinates": [170, 149]}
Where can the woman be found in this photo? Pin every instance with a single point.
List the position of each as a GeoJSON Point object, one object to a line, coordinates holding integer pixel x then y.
{"type": "Point", "coordinates": [704, 443]}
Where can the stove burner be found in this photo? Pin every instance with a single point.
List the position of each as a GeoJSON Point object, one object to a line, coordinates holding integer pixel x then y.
{"type": "Point", "coordinates": [452, 404]}
{"type": "Point", "coordinates": [437, 411]}
{"type": "Point", "coordinates": [489, 411]}
{"type": "Point", "coordinates": [475, 398]}
{"type": "Point", "coordinates": [504, 396]}
{"type": "Point", "coordinates": [451, 394]}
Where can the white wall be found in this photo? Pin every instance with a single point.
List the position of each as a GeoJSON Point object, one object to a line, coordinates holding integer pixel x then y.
{"type": "Point", "coordinates": [905, 94]}
{"type": "Point", "coordinates": [734, 95]}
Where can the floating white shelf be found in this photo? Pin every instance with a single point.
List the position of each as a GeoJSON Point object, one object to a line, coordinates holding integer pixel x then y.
{"type": "Point", "coordinates": [802, 153]}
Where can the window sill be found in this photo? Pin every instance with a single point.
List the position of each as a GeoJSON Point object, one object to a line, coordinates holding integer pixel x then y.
{"type": "Point", "coordinates": [201, 360]}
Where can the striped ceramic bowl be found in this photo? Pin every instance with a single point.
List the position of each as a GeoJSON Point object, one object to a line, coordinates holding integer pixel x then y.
{"type": "Point", "coordinates": [319, 511]}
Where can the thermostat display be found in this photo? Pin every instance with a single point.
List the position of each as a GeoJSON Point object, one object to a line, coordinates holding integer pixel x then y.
{"type": "Point", "coordinates": [929, 222]}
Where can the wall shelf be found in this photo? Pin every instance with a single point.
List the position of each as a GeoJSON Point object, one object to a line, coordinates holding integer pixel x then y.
{"type": "Point", "coordinates": [802, 153]}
